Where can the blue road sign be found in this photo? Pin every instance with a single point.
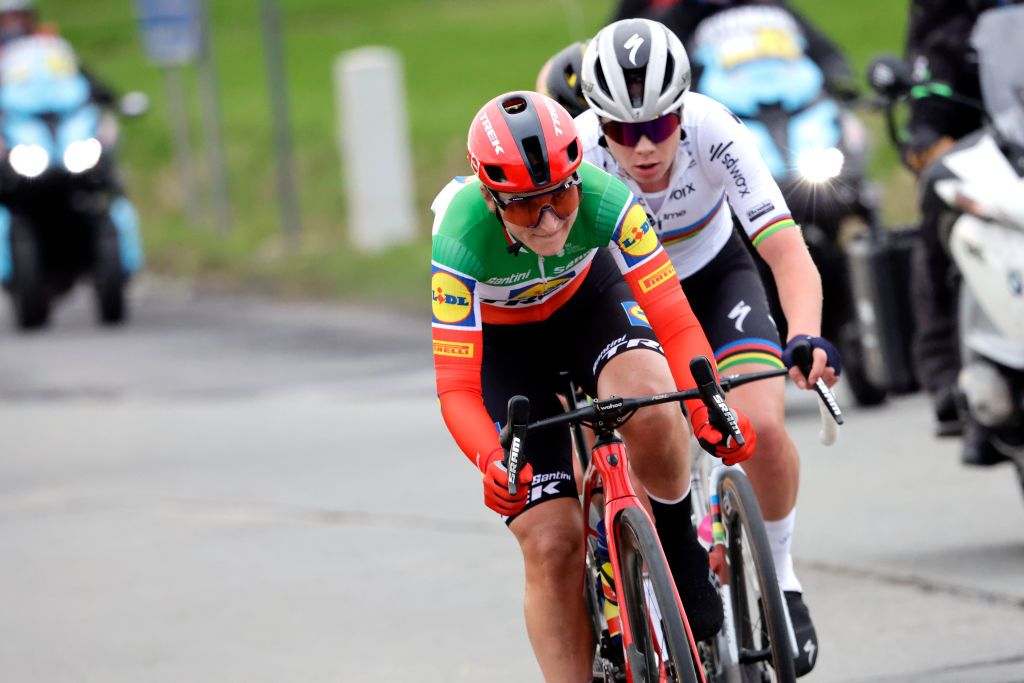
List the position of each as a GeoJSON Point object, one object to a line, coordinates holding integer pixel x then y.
{"type": "Point", "coordinates": [171, 30]}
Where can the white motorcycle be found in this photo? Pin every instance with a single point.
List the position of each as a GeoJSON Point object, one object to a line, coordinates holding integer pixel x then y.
{"type": "Point", "coordinates": [982, 180]}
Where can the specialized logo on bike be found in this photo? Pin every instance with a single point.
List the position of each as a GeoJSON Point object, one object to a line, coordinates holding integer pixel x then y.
{"type": "Point", "coordinates": [637, 239]}
{"type": "Point", "coordinates": [451, 300]}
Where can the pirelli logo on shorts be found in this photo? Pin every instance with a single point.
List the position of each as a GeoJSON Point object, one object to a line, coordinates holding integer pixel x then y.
{"type": "Point", "coordinates": [657, 277]}
{"type": "Point", "coordinates": [450, 348]}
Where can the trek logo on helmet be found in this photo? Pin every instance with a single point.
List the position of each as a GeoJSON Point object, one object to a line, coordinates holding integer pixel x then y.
{"type": "Point", "coordinates": [554, 116]}
{"type": "Point", "coordinates": [491, 135]}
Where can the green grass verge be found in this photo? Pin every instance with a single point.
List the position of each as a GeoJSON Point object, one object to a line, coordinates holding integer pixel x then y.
{"type": "Point", "coordinates": [457, 54]}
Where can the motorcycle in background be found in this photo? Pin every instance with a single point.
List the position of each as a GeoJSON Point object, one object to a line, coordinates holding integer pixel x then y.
{"type": "Point", "coordinates": [753, 60]}
{"type": "Point", "coordinates": [982, 181]}
{"type": "Point", "coordinates": [63, 216]}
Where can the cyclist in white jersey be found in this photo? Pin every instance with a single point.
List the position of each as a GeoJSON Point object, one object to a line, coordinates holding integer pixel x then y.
{"type": "Point", "coordinates": [693, 166]}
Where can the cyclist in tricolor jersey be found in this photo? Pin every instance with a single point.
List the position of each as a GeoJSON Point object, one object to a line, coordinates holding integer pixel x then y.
{"type": "Point", "coordinates": [693, 166]}
{"type": "Point", "coordinates": [523, 288]}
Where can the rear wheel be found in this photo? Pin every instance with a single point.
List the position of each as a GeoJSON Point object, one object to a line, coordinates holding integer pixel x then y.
{"type": "Point", "coordinates": [660, 650]}
{"type": "Point", "coordinates": [109, 278]}
{"type": "Point", "coordinates": [761, 629]}
{"type": "Point", "coordinates": [29, 295]}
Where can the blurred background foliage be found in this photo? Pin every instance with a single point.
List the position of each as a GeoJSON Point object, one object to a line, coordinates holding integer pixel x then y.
{"type": "Point", "coordinates": [457, 54]}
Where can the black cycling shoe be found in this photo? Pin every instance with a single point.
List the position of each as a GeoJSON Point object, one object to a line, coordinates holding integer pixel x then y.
{"type": "Point", "coordinates": [697, 586]}
{"type": "Point", "coordinates": [806, 638]}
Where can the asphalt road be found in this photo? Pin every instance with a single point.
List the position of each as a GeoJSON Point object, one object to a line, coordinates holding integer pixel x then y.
{"type": "Point", "coordinates": [234, 490]}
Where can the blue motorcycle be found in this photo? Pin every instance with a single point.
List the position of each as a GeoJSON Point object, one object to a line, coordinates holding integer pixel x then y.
{"type": "Point", "coordinates": [63, 216]}
{"type": "Point", "coordinates": [753, 59]}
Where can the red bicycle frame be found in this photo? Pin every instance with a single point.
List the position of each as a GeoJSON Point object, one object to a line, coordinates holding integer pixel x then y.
{"type": "Point", "coordinates": [608, 471]}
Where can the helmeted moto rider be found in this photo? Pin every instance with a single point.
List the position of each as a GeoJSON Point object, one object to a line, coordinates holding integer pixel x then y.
{"type": "Point", "coordinates": [693, 165]}
{"type": "Point", "coordinates": [20, 18]}
{"type": "Point", "coordinates": [939, 50]}
{"type": "Point", "coordinates": [684, 16]}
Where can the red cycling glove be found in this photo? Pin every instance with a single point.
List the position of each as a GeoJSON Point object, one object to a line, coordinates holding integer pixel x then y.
{"type": "Point", "coordinates": [711, 439]}
{"type": "Point", "coordinates": [496, 494]}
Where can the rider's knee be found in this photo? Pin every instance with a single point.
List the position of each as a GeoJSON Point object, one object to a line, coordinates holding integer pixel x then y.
{"type": "Point", "coordinates": [773, 440]}
{"type": "Point", "coordinates": [554, 555]}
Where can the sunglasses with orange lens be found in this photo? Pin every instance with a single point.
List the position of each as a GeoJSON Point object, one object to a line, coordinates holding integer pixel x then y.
{"type": "Point", "coordinates": [528, 211]}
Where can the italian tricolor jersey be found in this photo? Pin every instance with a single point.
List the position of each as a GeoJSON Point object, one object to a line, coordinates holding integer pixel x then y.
{"type": "Point", "coordinates": [476, 280]}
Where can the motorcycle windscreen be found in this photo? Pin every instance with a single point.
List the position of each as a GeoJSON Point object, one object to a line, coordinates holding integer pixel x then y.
{"type": "Point", "coordinates": [997, 40]}
{"type": "Point", "coordinates": [753, 56]}
{"type": "Point", "coordinates": [39, 74]}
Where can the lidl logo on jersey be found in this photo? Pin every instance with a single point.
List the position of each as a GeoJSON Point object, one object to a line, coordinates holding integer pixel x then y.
{"type": "Point", "coordinates": [635, 314]}
{"type": "Point", "coordinates": [451, 299]}
{"type": "Point", "coordinates": [636, 238]}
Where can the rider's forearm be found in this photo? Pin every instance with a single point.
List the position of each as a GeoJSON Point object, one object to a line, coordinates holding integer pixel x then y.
{"type": "Point", "coordinates": [457, 365]}
{"type": "Point", "coordinates": [469, 423]}
{"type": "Point", "coordinates": [797, 281]}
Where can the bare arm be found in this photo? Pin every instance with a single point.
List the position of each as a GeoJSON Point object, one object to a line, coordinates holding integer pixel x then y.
{"type": "Point", "coordinates": [800, 294]}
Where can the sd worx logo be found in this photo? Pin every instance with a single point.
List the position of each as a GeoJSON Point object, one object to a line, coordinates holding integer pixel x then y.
{"type": "Point", "coordinates": [451, 300]}
{"type": "Point", "coordinates": [731, 163]}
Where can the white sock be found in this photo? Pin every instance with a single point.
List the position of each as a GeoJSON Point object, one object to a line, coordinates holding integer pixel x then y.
{"type": "Point", "coordinates": [678, 500]}
{"type": "Point", "coordinates": [780, 538]}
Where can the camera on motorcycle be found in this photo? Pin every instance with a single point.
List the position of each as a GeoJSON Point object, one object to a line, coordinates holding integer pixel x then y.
{"type": "Point", "coordinates": [890, 76]}
{"type": "Point", "coordinates": [133, 104]}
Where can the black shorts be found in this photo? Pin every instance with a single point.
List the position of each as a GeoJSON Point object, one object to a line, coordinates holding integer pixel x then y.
{"type": "Point", "coordinates": [599, 322]}
{"type": "Point", "coordinates": [729, 300]}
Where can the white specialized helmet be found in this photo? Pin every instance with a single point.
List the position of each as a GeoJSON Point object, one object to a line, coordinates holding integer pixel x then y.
{"type": "Point", "coordinates": [635, 70]}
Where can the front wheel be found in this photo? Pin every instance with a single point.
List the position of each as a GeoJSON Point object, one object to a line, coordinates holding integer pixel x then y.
{"type": "Point", "coordinates": [28, 286]}
{"type": "Point", "coordinates": [109, 278]}
{"type": "Point", "coordinates": [760, 627]}
{"type": "Point", "coordinates": [661, 649]}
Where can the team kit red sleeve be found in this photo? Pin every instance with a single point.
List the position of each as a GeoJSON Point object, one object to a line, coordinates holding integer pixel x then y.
{"type": "Point", "coordinates": [458, 359]}
{"type": "Point", "coordinates": [654, 282]}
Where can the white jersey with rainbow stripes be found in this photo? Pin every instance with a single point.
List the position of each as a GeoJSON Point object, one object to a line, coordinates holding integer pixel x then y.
{"type": "Point", "coordinates": [717, 159]}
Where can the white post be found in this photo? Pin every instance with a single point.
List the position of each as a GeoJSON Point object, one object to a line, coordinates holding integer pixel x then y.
{"type": "Point", "coordinates": [373, 136]}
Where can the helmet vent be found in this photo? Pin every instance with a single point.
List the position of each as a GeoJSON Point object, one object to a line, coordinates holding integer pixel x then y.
{"type": "Point", "coordinates": [495, 173]}
{"type": "Point", "coordinates": [670, 69]}
{"type": "Point", "coordinates": [573, 151]}
{"type": "Point", "coordinates": [635, 85]}
{"type": "Point", "coordinates": [536, 161]}
{"type": "Point", "coordinates": [602, 82]}
{"type": "Point", "coordinates": [514, 105]}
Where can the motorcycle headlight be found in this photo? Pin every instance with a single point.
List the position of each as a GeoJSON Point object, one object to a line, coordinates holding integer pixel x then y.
{"type": "Point", "coordinates": [29, 160]}
{"type": "Point", "coordinates": [820, 165]}
{"type": "Point", "coordinates": [82, 155]}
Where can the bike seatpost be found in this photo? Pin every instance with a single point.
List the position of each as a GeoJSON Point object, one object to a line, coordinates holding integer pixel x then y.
{"type": "Point", "coordinates": [512, 436]}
